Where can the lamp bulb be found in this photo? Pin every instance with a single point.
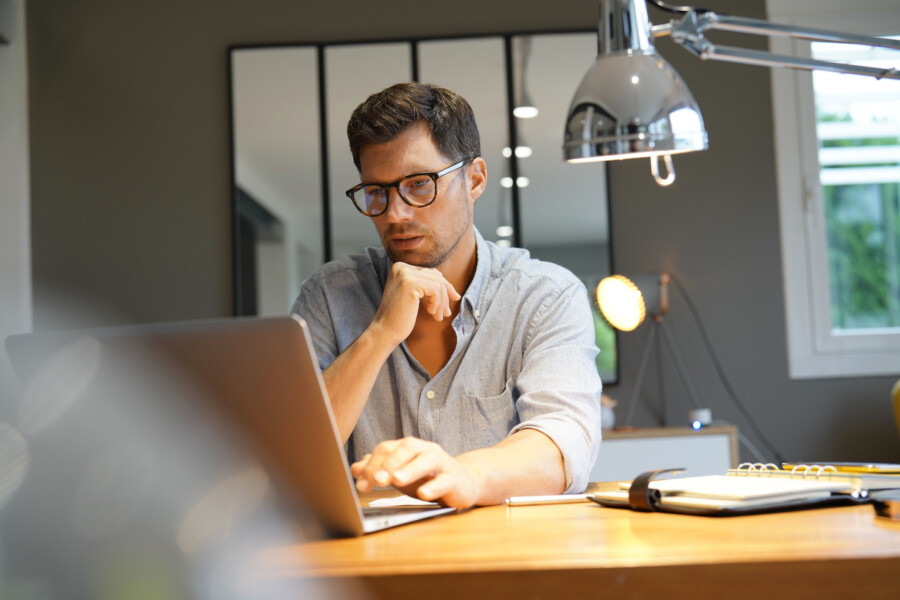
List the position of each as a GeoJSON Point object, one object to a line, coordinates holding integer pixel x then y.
{"type": "Point", "coordinates": [621, 302]}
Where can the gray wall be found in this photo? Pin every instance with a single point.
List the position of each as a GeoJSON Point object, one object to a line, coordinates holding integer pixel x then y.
{"type": "Point", "coordinates": [131, 198]}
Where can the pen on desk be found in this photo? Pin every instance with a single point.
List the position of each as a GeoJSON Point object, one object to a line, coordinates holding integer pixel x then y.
{"type": "Point", "coordinates": [553, 499]}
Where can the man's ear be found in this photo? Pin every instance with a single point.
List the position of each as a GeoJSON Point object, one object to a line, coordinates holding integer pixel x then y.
{"type": "Point", "coordinates": [477, 179]}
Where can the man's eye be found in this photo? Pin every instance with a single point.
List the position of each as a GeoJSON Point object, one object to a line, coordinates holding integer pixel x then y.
{"type": "Point", "coordinates": [419, 183]}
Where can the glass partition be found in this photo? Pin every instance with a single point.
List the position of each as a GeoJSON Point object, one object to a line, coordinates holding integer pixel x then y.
{"type": "Point", "coordinates": [292, 162]}
{"type": "Point", "coordinates": [485, 89]}
{"type": "Point", "coordinates": [562, 207]}
{"type": "Point", "coordinates": [352, 73]}
{"type": "Point", "coordinates": [277, 174]}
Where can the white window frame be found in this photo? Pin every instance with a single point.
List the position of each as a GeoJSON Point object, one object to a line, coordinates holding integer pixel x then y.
{"type": "Point", "coordinates": [815, 350]}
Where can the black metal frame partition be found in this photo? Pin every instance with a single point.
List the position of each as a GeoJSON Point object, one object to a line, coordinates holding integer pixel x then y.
{"type": "Point", "coordinates": [327, 237]}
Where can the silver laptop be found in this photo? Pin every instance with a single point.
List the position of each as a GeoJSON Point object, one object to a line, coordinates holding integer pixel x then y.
{"type": "Point", "coordinates": [262, 374]}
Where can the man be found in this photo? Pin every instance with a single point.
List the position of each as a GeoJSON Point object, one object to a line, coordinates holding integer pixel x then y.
{"type": "Point", "coordinates": [458, 371]}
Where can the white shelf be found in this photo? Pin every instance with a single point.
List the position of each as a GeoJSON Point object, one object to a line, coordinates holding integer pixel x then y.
{"type": "Point", "coordinates": [625, 454]}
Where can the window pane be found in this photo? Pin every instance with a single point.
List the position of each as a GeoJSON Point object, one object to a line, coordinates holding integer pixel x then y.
{"type": "Point", "coordinates": [564, 211]}
{"type": "Point", "coordinates": [448, 63]}
{"type": "Point", "coordinates": [858, 126]}
{"type": "Point", "coordinates": [353, 73]}
{"type": "Point", "coordinates": [277, 174]}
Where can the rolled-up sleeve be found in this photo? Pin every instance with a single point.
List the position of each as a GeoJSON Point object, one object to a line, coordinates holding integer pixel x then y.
{"type": "Point", "coordinates": [558, 388]}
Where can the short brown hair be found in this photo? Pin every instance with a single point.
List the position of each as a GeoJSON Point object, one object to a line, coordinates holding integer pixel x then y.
{"type": "Point", "coordinates": [385, 115]}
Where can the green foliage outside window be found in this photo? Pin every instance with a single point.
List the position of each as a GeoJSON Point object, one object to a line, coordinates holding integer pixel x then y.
{"type": "Point", "coordinates": [863, 228]}
{"type": "Point", "coordinates": [606, 341]}
{"type": "Point", "coordinates": [862, 225]}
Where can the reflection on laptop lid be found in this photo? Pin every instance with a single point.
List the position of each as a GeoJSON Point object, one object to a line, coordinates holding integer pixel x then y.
{"type": "Point", "coordinates": [262, 374]}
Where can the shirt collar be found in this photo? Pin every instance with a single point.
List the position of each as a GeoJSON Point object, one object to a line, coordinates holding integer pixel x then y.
{"type": "Point", "coordinates": [473, 296]}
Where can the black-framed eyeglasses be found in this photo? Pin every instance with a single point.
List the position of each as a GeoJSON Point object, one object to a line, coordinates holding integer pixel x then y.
{"type": "Point", "coordinates": [418, 190]}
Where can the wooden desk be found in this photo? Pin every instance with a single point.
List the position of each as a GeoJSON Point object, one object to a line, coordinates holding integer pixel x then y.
{"type": "Point", "coordinates": [559, 551]}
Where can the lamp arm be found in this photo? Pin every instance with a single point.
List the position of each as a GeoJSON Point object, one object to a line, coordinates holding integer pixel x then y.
{"type": "Point", "coordinates": [766, 59]}
{"type": "Point", "coordinates": [688, 33]}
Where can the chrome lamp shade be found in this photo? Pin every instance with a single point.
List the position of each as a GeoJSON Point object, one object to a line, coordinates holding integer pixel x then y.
{"type": "Point", "coordinates": [631, 103]}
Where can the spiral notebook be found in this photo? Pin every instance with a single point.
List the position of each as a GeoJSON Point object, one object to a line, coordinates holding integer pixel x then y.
{"type": "Point", "coordinates": [870, 476]}
{"type": "Point", "coordinates": [748, 489]}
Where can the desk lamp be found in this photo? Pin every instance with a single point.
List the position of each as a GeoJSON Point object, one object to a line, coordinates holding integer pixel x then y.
{"type": "Point", "coordinates": [632, 103]}
{"type": "Point", "coordinates": [626, 303]}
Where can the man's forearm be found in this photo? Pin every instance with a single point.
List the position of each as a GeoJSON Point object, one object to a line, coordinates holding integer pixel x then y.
{"type": "Point", "coordinates": [525, 463]}
{"type": "Point", "coordinates": [350, 378]}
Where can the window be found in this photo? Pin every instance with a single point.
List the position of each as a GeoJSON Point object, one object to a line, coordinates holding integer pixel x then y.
{"type": "Point", "coordinates": [838, 156]}
{"type": "Point", "coordinates": [858, 130]}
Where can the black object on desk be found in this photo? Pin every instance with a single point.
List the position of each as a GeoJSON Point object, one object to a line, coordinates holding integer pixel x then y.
{"type": "Point", "coordinates": [887, 504]}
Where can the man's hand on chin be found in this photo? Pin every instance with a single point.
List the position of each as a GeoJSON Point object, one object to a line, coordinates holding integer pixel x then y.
{"type": "Point", "coordinates": [420, 469]}
{"type": "Point", "coordinates": [408, 287]}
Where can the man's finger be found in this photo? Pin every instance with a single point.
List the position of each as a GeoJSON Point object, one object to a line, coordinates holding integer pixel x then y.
{"type": "Point", "coordinates": [425, 285]}
{"type": "Point", "coordinates": [444, 484]}
{"type": "Point", "coordinates": [423, 466]}
{"type": "Point", "coordinates": [454, 295]}
{"type": "Point", "coordinates": [434, 304]}
{"type": "Point", "coordinates": [358, 466]}
{"type": "Point", "coordinates": [370, 471]}
{"type": "Point", "coordinates": [402, 453]}
{"type": "Point", "coordinates": [445, 302]}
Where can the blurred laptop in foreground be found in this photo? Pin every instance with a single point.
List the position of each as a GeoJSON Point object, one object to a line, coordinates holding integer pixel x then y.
{"type": "Point", "coordinates": [121, 471]}
{"type": "Point", "coordinates": [259, 375]}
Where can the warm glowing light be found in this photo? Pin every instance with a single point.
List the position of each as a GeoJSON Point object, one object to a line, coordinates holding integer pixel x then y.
{"type": "Point", "coordinates": [525, 112]}
{"type": "Point", "coordinates": [521, 152]}
{"type": "Point", "coordinates": [621, 302]}
{"type": "Point", "coordinates": [507, 182]}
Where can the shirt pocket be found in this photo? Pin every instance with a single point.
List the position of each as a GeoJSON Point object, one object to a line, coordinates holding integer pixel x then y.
{"type": "Point", "coordinates": [487, 420]}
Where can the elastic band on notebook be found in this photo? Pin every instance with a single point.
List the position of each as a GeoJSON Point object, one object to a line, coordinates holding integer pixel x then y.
{"type": "Point", "coordinates": [641, 496]}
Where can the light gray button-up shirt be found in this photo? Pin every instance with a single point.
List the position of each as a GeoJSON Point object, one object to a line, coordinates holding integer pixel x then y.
{"type": "Point", "coordinates": [524, 357]}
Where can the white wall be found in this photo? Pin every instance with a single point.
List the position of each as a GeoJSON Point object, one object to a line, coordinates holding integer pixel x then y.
{"type": "Point", "coordinates": [15, 230]}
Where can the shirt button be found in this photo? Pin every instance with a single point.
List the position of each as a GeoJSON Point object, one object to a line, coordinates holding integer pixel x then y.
{"type": "Point", "coordinates": [477, 313]}
{"type": "Point", "coordinates": [429, 394]}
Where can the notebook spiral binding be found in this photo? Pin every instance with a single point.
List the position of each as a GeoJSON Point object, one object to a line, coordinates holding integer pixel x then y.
{"type": "Point", "coordinates": [770, 469]}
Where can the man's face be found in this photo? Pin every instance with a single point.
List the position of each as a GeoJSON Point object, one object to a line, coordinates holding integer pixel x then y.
{"type": "Point", "coordinates": [425, 237]}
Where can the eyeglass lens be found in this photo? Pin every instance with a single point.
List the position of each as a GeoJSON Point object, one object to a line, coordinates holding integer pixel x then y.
{"type": "Point", "coordinates": [418, 190]}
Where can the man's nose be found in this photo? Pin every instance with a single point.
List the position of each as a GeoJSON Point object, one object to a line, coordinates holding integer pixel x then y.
{"type": "Point", "coordinates": [398, 211]}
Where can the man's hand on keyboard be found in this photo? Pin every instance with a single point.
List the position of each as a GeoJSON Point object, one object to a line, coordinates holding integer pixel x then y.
{"type": "Point", "coordinates": [420, 469]}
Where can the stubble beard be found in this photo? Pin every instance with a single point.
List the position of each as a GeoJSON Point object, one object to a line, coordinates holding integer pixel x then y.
{"type": "Point", "coordinates": [431, 259]}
